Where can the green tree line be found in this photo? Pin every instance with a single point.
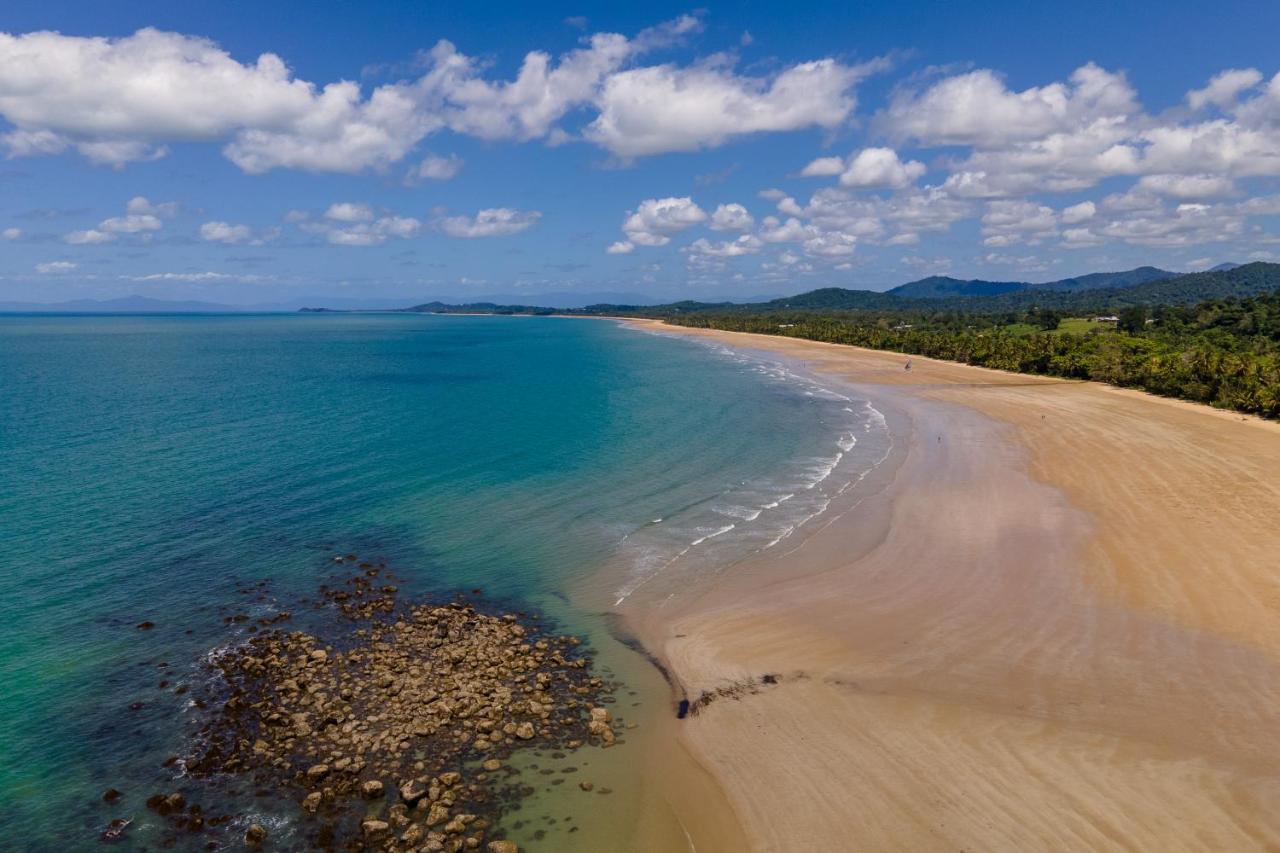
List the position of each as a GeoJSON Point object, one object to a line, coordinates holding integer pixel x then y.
{"type": "Point", "coordinates": [1225, 352]}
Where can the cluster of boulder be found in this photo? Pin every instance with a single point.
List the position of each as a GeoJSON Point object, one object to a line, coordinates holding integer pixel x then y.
{"type": "Point", "coordinates": [398, 738]}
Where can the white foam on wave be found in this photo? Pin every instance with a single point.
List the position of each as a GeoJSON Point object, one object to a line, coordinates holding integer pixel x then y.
{"type": "Point", "coordinates": [876, 415]}
{"type": "Point", "coordinates": [766, 511]}
{"type": "Point", "coordinates": [823, 470]}
{"type": "Point", "coordinates": [745, 513]}
{"type": "Point", "coordinates": [713, 535]}
{"type": "Point", "coordinates": [783, 535]}
{"type": "Point", "coordinates": [628, 589]}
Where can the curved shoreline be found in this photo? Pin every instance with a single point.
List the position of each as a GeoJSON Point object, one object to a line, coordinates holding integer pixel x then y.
{"type": "Point", "coordinates": [1020, 641]}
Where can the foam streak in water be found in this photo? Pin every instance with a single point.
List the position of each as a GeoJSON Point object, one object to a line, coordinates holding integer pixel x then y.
{"type": "Point", "coordinates": [769, 509]}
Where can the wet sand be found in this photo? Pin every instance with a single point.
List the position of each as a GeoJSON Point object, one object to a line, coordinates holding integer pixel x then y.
{"type": "Point", "coordinates": [1050, 620]}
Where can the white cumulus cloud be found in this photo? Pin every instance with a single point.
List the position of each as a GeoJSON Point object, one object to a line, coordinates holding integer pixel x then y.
{"type": "Point", "coordinates": [747, 244]}
{"type": "Point", "coordinates": [1010, 222]}
{"type": "Point", "coordinates": [141, 218]}
{"type": "Point", "coordinates": [823, 167]}
{"type": "Point", "coordinates": [55, 267]}
{"type": "Point", "coordinates": [119, 100]}
{"type": "Point", "coordinates": [1077, 213]}
{"type": "Point", "coordinates": [978, 109]}
{"type": "Point", "coordinates": [665, 108]}
{"type": "Point", "coordinates": [880, 168]}
{"type": "Point", "coordinates": [351, 224]}
{"type": "Point", "coordinates": [225, 232]}
{"type": "Point", "coordinates": [490, 222]}
{"type": "Point", "coordinates": [1188, 187]}
{"type": "Point", "coordinates": [774, 231]}
{"type": "Point", "coordinates": [731, 217]}
{"type": "Point", "coordinates": [142, 206]}
{"type": "Point", "coordinates": [1225, 87]}
{"type": "Point", "coordinates": [346, 211]}
{"type": "Point", "coordinates": [436, 168]}
{"type": "Point", "coordinates": [131, 223]}
{"type": "Point", "coordinates": [656, 219]}
{"type": "Point", "coordinates": [88, 236]}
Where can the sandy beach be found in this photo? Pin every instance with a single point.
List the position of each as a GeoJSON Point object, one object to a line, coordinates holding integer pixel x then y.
{"type": "Point", "coordinates": [1050, 621]}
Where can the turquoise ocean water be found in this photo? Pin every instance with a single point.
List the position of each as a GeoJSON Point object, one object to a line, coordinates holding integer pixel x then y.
{"type": "Point", "coordinates": [152, 466]}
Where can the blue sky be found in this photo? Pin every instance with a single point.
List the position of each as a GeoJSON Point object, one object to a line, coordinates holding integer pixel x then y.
{"type": "Point", "coordinates": [383, 153]}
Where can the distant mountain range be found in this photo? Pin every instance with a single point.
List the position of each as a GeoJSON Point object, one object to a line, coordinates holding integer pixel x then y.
{"type": "Point", "coordinates": [148, 305]}
{"type": "Point", "coordinates": [1097, 291]}
{"type": "Point", "coordinates": [942, 289]}
{"type": "Point", "coordinates": [1104, 290]}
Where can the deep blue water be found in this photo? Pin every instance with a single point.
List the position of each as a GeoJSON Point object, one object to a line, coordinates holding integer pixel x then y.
{"type": "Point", "coordinates": [153, 465]}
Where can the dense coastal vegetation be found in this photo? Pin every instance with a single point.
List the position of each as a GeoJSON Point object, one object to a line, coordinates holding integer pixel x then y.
{"type": "Point", "coordinates": [1224, 352]}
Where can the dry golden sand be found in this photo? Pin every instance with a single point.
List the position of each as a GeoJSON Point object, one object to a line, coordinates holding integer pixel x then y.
{"type": "Point", "coordinates": [1052, 622]}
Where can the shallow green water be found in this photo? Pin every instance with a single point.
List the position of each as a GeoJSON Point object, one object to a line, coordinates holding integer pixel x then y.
{"type": "Point", "coordinates": [151, 465]}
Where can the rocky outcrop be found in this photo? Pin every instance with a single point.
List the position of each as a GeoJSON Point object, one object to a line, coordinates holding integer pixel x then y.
{"type": "Point", "coordinates": [396, 735]}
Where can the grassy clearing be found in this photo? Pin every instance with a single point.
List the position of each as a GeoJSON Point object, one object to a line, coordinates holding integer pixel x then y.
{"type": "Point", "coordinates": [1068, 326]}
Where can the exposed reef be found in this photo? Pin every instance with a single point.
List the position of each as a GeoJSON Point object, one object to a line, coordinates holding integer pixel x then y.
{"type": "Point", "coordinates": [396, 734]}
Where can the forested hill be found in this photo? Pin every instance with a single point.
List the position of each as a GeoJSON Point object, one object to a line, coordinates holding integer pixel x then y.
{"type": "Point", "coordinates": [1246, 280]}
{"type": "Point", "coordinates": [942, 287]}
{"type": "Point", "coordinates": [477, 308]}
{"type": "Point", "coordinates": [1102, 280]}
{"type": "Point", "coordinates": [1076, 295]}
{"type": "Point", "coordinates": [1097, 291]}
{"type": "Point", "coordinates": [1236, 282]}
{"type": "Point", "coordinates": [826, 298]}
